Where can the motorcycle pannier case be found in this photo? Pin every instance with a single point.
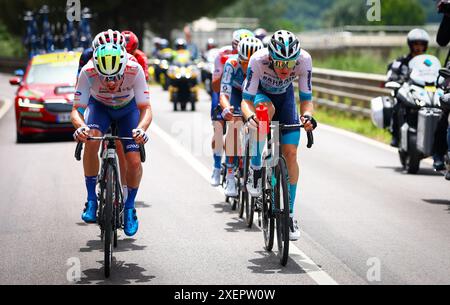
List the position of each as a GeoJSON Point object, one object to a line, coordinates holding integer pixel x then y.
{"type": "Point", "coordinates": [381, 111]}
{"type": "Point", "coordinates": [426, 129]}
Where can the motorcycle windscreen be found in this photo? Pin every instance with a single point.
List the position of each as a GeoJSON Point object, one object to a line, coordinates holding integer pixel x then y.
{"type": "Point", "coordinates": [424, 69]}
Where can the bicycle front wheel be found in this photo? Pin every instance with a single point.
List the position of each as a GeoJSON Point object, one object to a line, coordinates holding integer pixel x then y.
{"type": "Point", "coordinates": [281, 210]}
{"type": "Point", "coordinates": [268, 221]}
{"type": "Point", "coordinates": [108, 218]}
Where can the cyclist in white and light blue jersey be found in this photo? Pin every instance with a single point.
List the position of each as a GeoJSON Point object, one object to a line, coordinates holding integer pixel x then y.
{"type": "Point", "coordinates": [269, 81]}
{"type": "Point", "coordinates": [233, 77]}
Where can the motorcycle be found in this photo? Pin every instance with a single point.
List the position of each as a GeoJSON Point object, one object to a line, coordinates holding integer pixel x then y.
{"type": "Point", "coordinates": [419, 113]}
{"type": "Point", "coordinates": [160, 66]}
{"type": "Point", "coordinates": [183, 85]}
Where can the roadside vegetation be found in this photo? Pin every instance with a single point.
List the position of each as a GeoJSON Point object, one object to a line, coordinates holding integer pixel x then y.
{"type": "Point", "coordinates": [10, 46]}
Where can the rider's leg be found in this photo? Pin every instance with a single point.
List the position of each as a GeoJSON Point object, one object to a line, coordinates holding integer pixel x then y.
{"type": "Point", "coordinates": [134, 176]}
{"type": "Point", "coordinates": [258, 140]}
{"type": "Point", "coordinates": [91, 164]}
{"type": "Point", "coordinates": [289, 152]}
{"type": "Point", "coordinates": [218, 125]}
{"type": "Point", "coordinates": [97, 119]}
{"type": "Point", "coordinates": [217, 147]}
{"type": "Point", "coordinates": [127, 119]}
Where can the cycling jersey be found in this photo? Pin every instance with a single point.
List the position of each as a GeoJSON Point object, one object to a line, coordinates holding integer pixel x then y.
{"type": "Point", "coordinates": [143, 61]}
{"type": "Point", "coordinates": [231, 84]}
{"type": "Point", "coordinates": [233, 76]}
{"type": "Point", "coordinates": [261, 76]}
{"type": "Point", "coordinates": [133, 85]}
{"type": "Point", "coordinates": [220, 61]}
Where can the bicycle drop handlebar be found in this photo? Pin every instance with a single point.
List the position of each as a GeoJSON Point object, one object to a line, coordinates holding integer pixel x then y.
{"type": "Point", "coordinates": [79, 147]}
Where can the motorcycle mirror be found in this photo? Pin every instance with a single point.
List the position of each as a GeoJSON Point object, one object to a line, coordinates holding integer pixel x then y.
{"type": "Point", "coordinates": [392, 85]}
{"type": "Point", "coordinates": [445, 73]}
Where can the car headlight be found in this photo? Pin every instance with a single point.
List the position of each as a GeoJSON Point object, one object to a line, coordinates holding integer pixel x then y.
{"type": "Point", "coordinates": [26, 102]}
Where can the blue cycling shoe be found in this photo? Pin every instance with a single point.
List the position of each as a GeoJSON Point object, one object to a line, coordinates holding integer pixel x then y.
{"type": "Point", "coordinates": [131, 222]}
{"type": "Point", "coordinates": [90, 212]}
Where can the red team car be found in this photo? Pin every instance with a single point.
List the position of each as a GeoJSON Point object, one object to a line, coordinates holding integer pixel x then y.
{"type": "Point", "coordinates": [44, 99]}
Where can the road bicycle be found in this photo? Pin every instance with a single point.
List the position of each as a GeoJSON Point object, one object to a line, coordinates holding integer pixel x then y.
{"type": "Point", "coordinates": [110, 213]}
{"type": "Point", "coordinates": [273, 206]}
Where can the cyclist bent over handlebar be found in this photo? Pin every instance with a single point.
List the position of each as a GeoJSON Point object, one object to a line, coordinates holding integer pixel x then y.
{"type": "Point", "coordinates": [112, 88]}
{"type": "Point", "coordinates": [269, 81]}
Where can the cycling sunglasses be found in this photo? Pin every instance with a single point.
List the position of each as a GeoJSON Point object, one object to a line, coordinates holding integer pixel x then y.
{"type": "Point", "coordinates": [243, 61]}
{"type": "Point", "coordinates": [111, 78]}
{"type": "Point", "coordinates": [281, 64]}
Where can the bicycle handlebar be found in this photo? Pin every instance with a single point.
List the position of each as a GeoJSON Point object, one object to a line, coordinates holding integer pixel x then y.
{"type": "Point", "coordinates": [309, 134]}
{"type": "Point", "coordinates": [79, 147]}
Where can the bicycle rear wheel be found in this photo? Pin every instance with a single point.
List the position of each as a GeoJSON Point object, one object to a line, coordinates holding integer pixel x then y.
{"type": "Point", "coordinates": [282, 210]}
{"type": "Point", "coordinates": [108, 218]}
{"type": "Point", "coordinates": [268, 222]}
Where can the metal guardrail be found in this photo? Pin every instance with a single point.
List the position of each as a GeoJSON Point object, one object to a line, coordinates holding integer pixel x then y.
{"type": "Point", "coordinates": [347, 91]}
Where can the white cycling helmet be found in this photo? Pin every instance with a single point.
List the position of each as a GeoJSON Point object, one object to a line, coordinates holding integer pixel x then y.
{"type": "Point", "coordinates": [416, 35]}
{"type": "Point", "coordinates": [248, 46]}
{"type": "Point", "coordinates": [109, 36]}
{"type": "Point", "coordinates": [239, 35]}
{"type": "Point", "coordinates": [110, 61]}
{"type": "Point", "coordinates": [284, 45]}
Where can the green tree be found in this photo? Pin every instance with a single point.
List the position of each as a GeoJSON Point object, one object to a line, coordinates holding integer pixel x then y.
{"type": "Point", "coordinates": [159, 15]}
{"type": "Point", "coordinates": [393, 12]}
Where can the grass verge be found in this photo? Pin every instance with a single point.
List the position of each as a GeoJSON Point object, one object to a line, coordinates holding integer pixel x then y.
{"type": "Point", "coordinates": [360, 125]}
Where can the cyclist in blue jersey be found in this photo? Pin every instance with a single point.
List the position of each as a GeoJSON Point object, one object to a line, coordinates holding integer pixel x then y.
{"type": "Point", "coordinates": [230, 101]}
{"type": "Point", "coordinates": [218, 123]}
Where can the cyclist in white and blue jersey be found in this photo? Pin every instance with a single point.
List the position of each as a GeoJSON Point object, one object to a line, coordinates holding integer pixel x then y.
{"type": "Point", "coordinates": [269, 81]}
{"type": "Point", "coordinates": [233, 77]}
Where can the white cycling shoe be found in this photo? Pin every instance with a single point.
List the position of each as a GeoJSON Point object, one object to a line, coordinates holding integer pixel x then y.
{"type": "Point", "coordinates": [294, 232]}
{"type": "Point", "coordinates": [215, 178]}
{"type": "Point", "coordinates": [230, 187]}
{"type": "Point", "coordinates": [254, 189]}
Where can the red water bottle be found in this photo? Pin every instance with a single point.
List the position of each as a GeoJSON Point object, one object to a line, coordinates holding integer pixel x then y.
{"type": "Point", "coordinates": [262, 114]}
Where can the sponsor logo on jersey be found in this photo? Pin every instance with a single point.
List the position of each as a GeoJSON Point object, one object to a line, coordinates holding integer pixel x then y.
{"type": "Point", "coordinates": [249, 78]}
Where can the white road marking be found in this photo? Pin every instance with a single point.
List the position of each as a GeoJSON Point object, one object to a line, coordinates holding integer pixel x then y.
{"type": "Point", "coordinates": [4, 109]}
{"type": "Point", "coordinates": [307, 264]}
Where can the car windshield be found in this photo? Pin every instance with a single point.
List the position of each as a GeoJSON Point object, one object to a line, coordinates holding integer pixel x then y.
{"type": "Point", "coordinates": [53, 73]}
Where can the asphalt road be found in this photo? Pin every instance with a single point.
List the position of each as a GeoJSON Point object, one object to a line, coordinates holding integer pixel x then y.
{"type": "Point", "coordinates": [363, 221]}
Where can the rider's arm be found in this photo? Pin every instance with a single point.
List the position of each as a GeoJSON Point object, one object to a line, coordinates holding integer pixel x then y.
{"type": "Point", "coordinates": [305, 92]}
{"type": "Point", "coordinates": [226, 85]}
{"type": "Point", "coordinates": [82, 93]}
{"type": "Point", "coordinates": [217, 75]}
{"type": "Point", "coordinates": [250, 88]}
{"type": "Point", "coordinates": [141, 92]}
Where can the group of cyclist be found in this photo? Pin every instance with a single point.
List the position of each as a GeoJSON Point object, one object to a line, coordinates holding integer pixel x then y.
{"type": "Point", "coordinates": [246, 75]}
{"type": "Point", "coordinates": [112, 87]}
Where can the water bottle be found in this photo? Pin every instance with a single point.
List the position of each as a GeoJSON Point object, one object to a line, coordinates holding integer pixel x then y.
{"type": "Point", "coordinates": [262, 114]}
